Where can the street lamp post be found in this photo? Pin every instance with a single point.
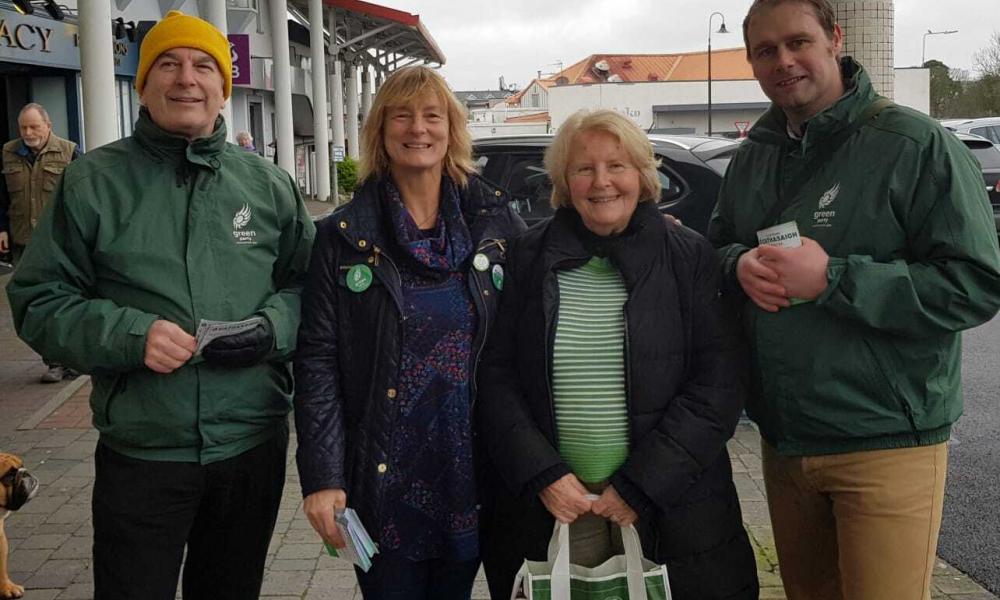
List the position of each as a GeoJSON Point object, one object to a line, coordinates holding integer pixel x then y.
{"type": "Point", "coordinates": [923, 53]}
{"type": "Point", "coordinates": [722, 29]}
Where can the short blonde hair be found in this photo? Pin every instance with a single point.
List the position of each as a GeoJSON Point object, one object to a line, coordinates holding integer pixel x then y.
{"type": "Point", "coordinates": [403, 86]}
{"type": "Point", "coordinates": [635, 143]}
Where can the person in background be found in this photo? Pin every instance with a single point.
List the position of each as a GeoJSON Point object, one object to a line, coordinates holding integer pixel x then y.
{"type": "Point", "coordinates": [613, 371]}
{"type": "Point", "coordinates": [856, 331]}
{"type": "Point", "coordinates": [147, 238]}
{"type": "Point", "coordinates": [402, 290]}
{"type": "Point", "coordinates": [32, 166]}
{"type": "Point", "coordinates": [245, 141]}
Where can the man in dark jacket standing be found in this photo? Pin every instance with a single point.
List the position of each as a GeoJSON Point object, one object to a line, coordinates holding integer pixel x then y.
{"type": "Point", "coordinates": [32, 165]}
{"type": "Point", "coordinates": [855, 326]}
{"type": "Point", "coordinates": [149, 241]}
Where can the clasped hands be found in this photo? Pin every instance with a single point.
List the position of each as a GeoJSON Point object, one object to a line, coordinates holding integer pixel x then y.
{"type": "Point", "coordinates": [566, 499]}
{"type": "Point", "coordinates": [771, 275]}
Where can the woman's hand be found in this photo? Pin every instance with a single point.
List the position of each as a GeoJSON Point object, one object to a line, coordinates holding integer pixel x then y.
{"type": "Point", "coordinates": [611, 506]}
{"type": "Point", "coordinates": [320, 507]}
{"type": "Point", "coordinates": [566, 498]}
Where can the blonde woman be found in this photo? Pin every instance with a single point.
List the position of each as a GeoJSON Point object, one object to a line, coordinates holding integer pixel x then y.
{"type": "Point", "coordinates": [612, 372]}
{"type": "Point", "coordinates": [402, 290]}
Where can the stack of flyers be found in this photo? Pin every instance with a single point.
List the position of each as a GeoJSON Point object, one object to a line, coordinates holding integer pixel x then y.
{"type": "Point", "coordinates": [360, 548]}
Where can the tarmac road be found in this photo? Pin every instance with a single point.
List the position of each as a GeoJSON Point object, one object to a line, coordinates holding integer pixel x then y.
{"type": "Point", "coordinates": [970, 532]}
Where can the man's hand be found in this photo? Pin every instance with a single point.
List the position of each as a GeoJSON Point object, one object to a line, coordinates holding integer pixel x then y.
{"type": "Point", "coordinates": [566, 498]}
{"type": "Point", "coordinates": [760, 281]}
{"type": "Point", "coordinates": [801, 271]}
{"type": "Point", "coordinates": [320, 507]}
{"type": "Point", "coordinates": [4, 242]}
{"type": "Point", "coordinates": [240, 349]}
{"type": "Point", "coordinates": [168, 346]}
{"type": "Point", "coordinates": [611, 506]}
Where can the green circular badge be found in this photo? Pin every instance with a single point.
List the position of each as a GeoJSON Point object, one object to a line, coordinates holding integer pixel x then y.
{"type": "Point", "coordinates": [497, 275]}
{"type": "Point", "coordinates": [480, 262]}
{"type": "Point", "coordinates": [359, 277]}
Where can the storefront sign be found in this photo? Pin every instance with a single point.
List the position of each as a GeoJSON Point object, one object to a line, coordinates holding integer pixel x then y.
{"type": "Point", "coordinates": [239, 46]}
{"type": "Point", "coordinates": [27, 39]}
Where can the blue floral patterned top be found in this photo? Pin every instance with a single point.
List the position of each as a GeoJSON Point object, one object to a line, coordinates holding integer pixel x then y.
{"type": "Point", "coordinates": [429, 506]}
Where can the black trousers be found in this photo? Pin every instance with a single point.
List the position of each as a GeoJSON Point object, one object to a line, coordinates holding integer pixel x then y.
{"type": "Point", "coordinates": [145, 512]}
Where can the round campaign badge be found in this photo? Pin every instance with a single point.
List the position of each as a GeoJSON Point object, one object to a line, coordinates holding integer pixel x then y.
{"type": "Point", "coordinates": [497, 275]}
{"type": "Point", "coordinates": [480, 262]}
{"type": "Point", "coordinates": [359, 277]}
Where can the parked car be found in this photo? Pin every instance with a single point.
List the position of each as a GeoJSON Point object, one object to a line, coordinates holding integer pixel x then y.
{"type": "Point", "coordinates": [987, 127]}
{"type": "Point", "coordinates": [988, 156]}
{"type": "Point", "coordinates": [691, 169]}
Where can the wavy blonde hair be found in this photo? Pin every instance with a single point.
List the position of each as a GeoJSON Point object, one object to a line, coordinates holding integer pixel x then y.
{"type": "Point", "coordinates": [402, 87]}
{"type": "Point", "coordinates": [635, 143]}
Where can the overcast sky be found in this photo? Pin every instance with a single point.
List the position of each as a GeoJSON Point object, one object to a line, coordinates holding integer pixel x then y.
{"type": "Point", "coordinates": [483, 40]}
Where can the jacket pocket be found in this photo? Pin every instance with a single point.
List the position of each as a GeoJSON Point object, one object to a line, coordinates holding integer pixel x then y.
{"type": "Point", "coordinates": [105, 391]}
{"type": "Point", "coordinates": [881, 372]}
{"type": "Point", "coordinates": [50, 177]}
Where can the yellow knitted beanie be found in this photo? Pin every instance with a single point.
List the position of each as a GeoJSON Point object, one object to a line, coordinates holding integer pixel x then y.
{"type": "Point", "coordinates": [177, 30]}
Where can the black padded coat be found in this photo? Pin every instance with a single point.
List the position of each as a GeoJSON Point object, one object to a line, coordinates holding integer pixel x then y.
{"type": "Point", "coordinates": [348, 356]}
{"type": "Point", "coordinates": [684, 395]}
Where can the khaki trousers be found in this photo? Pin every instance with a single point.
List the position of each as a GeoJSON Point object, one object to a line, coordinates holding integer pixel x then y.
{"type": "Point", "coordinates": [856, 526]}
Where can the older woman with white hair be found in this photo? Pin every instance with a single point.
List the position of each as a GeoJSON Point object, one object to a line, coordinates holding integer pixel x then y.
{"type": "Point", "coordinates": [612, 372]}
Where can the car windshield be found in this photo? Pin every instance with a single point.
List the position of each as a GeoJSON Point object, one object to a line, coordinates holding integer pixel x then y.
{"type": "Point", "coordinates": [988, 157]}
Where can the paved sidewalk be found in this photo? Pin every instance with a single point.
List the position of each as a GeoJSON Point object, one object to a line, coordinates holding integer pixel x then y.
{"type": "Point", "coordinates": [49, 426]}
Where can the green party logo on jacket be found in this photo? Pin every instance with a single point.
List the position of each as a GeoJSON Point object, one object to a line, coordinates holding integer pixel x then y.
{"type": "Point", "coordinates": [240, 220]}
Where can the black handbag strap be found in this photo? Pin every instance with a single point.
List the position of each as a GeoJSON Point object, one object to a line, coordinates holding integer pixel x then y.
{"type": "Point", "coordinates": [868, 116]}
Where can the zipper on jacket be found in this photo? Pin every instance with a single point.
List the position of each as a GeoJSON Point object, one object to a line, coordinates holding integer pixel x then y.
{"type": "Point", "coordinates": [484, 319]}
{"type": "Point", "coordinates": [626, 366]}
{"type": "Point", "coordinates": [396, 292]}
{"type": "Point", "coordinates": [482, 310]}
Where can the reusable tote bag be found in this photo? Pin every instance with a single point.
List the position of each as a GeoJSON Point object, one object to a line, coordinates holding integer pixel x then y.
{"type": "Point", "coordinates": [621, 577]}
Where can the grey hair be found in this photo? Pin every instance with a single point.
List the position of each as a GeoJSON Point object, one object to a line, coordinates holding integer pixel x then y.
{"type": "Point", "coordinates": [35, 106]}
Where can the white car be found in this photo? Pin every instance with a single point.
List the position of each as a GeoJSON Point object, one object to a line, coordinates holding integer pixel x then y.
{"type": "Point", "coordinates": [987, 127]}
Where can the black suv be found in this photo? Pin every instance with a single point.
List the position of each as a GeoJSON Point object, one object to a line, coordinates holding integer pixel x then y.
{"type": "Point", "coordinates": [691, 169]}
{"type": "Point", "coordinates": [989, 159]}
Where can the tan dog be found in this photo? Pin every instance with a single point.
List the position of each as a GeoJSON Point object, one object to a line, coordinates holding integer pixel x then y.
{"type": "Point", "coordinates": [17, 486]}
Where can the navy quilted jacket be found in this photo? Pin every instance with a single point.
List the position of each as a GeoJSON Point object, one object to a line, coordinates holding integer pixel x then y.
{"type": "Point", "coordinates": [348, 357]}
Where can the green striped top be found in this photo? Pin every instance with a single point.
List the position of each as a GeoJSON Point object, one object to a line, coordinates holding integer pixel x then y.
{"type": "Point", "coordinates": [588, 370]}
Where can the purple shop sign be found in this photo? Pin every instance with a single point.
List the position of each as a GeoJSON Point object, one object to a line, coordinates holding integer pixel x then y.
{"type": "Point", "coordinates": [239, 46]}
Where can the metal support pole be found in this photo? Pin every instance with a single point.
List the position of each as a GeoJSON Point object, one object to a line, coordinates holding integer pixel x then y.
{"type": "Point", "coordinates": [321, 128]}
{"type": "Point", "coordinates": [353, 150]}
{"type": "Point", "coordinates": [215, 13]}
{"type": "Point", "coordinates": [97, 68]}
{"type": "Point", "coordinates": [282, 86]}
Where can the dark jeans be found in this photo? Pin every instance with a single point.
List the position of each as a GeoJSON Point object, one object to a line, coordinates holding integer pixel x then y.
{"type": "Point", "coordinates": [145, 512]}
{"type": "Point", "coordinates": [392, 578]}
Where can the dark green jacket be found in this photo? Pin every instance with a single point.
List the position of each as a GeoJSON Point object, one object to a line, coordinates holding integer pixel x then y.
{"type": "Point", "coordinates": [875, 361]}
{"type": "Point", "coordinates": [153, 227]}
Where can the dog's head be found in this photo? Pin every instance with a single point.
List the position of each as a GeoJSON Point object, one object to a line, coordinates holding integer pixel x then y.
{"type": "Point", "coordinates": [17, 486]}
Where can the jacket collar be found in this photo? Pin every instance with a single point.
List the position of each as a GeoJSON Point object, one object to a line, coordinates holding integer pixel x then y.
{"type": "Point", "coordinates": [568, 241]}
{"type": "Point", "coordinates": [362, 221]}
{"type": "Point", "coordinates": [28, 154]}
{"type": "Point", "coordinates": [175, 149]}
{"type": "Point", "coordinates": [772, 127]}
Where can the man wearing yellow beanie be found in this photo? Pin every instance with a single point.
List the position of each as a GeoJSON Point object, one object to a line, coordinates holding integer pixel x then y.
{"type": "Point", "coordinates": [146, 240]}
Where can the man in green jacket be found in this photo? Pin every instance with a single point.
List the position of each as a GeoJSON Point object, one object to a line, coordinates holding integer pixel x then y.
{"type": "Point", "coordinates": [146, 240]}
{"type": "Point", "coordinates": [854, 325]}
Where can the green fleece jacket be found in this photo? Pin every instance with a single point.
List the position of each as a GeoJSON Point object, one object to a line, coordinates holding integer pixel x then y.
{"type": "Point", "coordinates": [154, 227]}
{"type": "Point", "coordinates": [875, 361]}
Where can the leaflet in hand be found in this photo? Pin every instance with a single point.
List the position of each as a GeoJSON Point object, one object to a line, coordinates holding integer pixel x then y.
{"type": "Point", "coordinates": [360, 548]}
{"type": "Point", "coordinates": [210, 330]}
{"type": "Point", "coordinates": [785, 235]}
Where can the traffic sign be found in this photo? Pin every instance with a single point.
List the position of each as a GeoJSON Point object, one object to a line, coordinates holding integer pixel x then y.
{"type": "Point", "coordinates": [338, 154]}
